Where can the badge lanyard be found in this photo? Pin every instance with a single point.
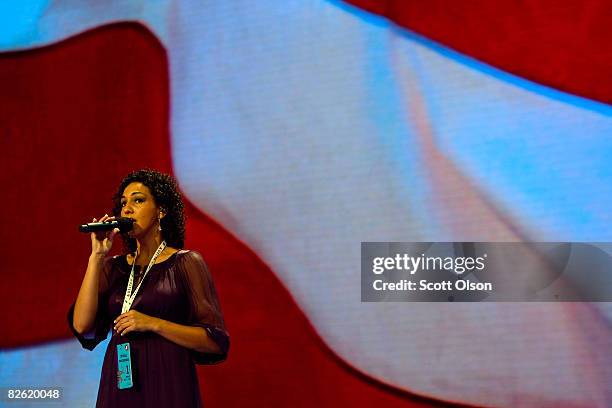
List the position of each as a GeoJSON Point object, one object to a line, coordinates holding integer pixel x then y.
{"type": "Point", "coordinates": [129, 296]}
{"type": "Point", "coordinates": [124, 359]}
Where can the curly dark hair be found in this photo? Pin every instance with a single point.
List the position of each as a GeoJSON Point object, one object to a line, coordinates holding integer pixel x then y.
{"type": "Point", "coordinates": [167, 195]}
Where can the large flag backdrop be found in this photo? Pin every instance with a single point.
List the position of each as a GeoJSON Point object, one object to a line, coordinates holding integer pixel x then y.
{"type": "Point", "coordinates": [296, 131]}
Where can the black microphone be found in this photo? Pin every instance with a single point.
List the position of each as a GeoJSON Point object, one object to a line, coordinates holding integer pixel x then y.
{"type": "Point", "coordinates": [124, 225]}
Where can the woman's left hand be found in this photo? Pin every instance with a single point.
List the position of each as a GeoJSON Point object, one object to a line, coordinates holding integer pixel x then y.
{"type": "Point", "coordinates": [134, 321]}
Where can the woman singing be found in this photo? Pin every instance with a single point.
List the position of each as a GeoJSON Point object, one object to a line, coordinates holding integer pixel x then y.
{"type": "Point", "coordinates": [169, 319]}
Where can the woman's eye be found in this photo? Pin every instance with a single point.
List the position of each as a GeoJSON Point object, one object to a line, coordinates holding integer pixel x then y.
{"type": "Point", "coordinates": [136, 200]}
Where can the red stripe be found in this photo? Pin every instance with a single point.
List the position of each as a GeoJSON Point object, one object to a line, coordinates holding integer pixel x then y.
{"type": "Point", "coordinates": [561, 44]}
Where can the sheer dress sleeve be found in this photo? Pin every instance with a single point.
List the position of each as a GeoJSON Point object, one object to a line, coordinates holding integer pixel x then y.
{"type": "Point", "coordinates": [102, 322]}
{"type": "Point", "coordinates": [204, 309]}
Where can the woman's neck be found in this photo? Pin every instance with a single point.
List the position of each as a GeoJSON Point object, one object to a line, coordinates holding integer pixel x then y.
{"type": "Point", "coordinates": [146, 247]}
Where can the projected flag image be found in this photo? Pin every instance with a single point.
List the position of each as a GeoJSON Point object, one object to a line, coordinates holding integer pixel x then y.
{"type": "Point", "coordinates": [296, 131]}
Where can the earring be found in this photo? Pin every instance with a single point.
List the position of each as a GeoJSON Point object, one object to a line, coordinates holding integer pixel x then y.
{"type": "Point", "coordinates": [159, 223]}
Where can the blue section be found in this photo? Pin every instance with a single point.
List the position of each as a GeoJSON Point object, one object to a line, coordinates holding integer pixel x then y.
{"type": "Point", "coordinates": [19, 22]}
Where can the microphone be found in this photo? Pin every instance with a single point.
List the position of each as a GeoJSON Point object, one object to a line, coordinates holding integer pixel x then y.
{"type": "Point", "coordinates": [124, 225]}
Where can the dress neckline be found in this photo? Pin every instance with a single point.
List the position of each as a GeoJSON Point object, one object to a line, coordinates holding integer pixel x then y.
{"type": "Point", "coordinates": [125, 262]}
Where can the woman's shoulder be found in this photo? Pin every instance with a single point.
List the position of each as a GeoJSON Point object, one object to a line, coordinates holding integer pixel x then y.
{"type": "Point", "coordinates": [190, 255]}
{"type": "Point", "coordinates": [190, 259]}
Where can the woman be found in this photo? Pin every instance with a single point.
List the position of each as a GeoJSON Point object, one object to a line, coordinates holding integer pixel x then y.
{"type": "Point", "coordinates": [170, 316]}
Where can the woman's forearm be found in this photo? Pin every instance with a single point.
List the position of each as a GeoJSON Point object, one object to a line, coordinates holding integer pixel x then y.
{"type": "Point", "coordinates": [86, 305]}
{"type": "Point", "coordinates": [191, 337]}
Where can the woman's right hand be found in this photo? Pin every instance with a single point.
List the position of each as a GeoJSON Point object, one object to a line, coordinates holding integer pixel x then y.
{"type": "Point", "coordinates": [102, 241]}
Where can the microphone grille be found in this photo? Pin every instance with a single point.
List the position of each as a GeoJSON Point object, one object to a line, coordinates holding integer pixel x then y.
{"type": "Point", "coordinates": [125, 224]}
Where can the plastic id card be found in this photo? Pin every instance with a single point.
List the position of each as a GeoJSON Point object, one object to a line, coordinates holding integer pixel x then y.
{"type": "Point", "coordinates": [124, 366]}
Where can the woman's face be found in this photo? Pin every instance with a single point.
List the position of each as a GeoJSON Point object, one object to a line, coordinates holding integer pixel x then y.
{"type": "Point", "coordinates": [138, 203]}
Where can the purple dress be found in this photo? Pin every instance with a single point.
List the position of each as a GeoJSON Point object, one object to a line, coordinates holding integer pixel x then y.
{"type": "Point", "coordinates": [179, 289]}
